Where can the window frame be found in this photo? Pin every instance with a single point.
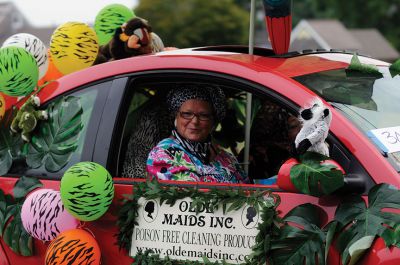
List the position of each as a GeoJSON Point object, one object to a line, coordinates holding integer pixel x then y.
{"type": "Point", "coordinates": [88, 142]}
{"type": "Point", "coordinates": [350, 163]}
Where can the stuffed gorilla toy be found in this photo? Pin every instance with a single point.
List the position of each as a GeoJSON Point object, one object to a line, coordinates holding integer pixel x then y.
{"type": "Point", "coordinates": [316, 121]}
{"type": "Point", "coordinates": [131, 39]}
{"type": "Point", "coordinates": [27, 117]}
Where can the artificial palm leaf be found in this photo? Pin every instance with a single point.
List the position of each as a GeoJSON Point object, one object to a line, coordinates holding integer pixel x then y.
{"type": "Point", "coordinates": [10, 144]}
{"type": "Point", "coordinates": [301, 240]}
{"type": "Point", "coordinates": [314, 178]}
{"type": "Point", "coordinates": [359, 222]}
{"type": "Point", "coordinates": [58, 136]}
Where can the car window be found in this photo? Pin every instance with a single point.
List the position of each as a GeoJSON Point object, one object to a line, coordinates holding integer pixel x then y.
{"type": "Point", "coordinates": [147, 121]}
{"type": "Point", "coordinates": [84, 107]}
{"type": "Point", "coordinates": [368, 100]}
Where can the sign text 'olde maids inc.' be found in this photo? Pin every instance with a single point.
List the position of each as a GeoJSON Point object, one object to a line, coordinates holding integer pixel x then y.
{"type": "Point", "coordinates": [180, 233]}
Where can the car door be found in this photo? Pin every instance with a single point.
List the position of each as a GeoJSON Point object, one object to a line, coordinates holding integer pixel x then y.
{"type": "Point", "coordinates": [126, 135]}
{"type": "Point", "coordinates": [86, 103]}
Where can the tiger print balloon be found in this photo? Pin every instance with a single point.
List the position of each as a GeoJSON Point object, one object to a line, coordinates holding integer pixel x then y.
{"type": "Point", "coordinates": [73, 46]}
{"type": "Point", "coordinates": [109, 18]}
{"type": "Point", "coordinates": [18, 71]}
{"type": "Point", "coordinates": [87, 190]}
{"type": "Point", "coordinates": [34, 46]}
{"type": "Point", "coordinates": [73, 247]}
{"type": "Point", "coordinates": [43, 215]}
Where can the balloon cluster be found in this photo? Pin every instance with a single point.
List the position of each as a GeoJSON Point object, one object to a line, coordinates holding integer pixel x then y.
{"type": "Point", "coordinates": [86, 192]}
{"type": "Point", "coordinates": [25, 62]}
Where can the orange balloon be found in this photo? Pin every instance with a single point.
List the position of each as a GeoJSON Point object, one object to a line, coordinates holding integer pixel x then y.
{"type": "Point", "coordinates": [2, 106]}
{"type": "Point", "coordinates": [8, 102]}
{"type": "Point", "coordinates": [52, 72]}
{"type": "Point", "coordinates": [74, 246]}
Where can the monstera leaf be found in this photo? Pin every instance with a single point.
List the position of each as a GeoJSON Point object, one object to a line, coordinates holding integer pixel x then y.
{"type": "Point", "coordinates": [15, 236]}
{"type": "Point", "coordinates": [359, 223]}
{"type": "Point", "coordinates": [11, 228]}
{"type": "Point", "coordinates": [10, 144]}
{"type": "Point", "coordinates": [303, 242]}
{"type": "Point", "coordinates": [58, 136]}
{"type": "Point", "coordinates": [316, 177]}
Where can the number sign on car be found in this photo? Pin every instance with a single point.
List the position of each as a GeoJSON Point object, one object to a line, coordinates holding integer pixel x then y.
{"type": "Point", "coordinates": [388, 139]}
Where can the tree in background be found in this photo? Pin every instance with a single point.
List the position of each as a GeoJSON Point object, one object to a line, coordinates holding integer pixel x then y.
{"type": "Point", "coordinates": [191, 23]}
{"type": "Point", "coordinates": [383, 15]}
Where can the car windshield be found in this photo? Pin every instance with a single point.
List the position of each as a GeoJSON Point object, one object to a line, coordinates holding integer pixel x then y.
{"type": "Point", "coordinates": [368, 100]}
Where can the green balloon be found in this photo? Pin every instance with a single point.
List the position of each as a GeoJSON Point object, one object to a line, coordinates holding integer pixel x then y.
{"type": "Point", "coordinates": [87, 190]}
{"type": "Point", "coordinates": [110, 18]}
{"type": "Point", "coordinates": [19, 72]}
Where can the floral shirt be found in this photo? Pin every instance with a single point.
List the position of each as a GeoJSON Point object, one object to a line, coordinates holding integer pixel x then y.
{"type": "Point", "coordinates": [170, 161]}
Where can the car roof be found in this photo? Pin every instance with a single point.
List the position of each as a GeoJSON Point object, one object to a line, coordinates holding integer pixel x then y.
{"type": "Point", "coordinates": [219, 59]}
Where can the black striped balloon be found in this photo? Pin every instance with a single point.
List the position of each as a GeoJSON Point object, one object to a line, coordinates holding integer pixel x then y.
{"type": "Point", "coordinates": [34, 46]}
{"type": "Point", "coordinates": [87, 190]}
{"type": "Point", "coordinates": [73, 247]}
{"type": "Point", "coordinates": [19, 72]}
{"type": "Point", "coordinates": [109, 19]}
{"type": "Point", "coordinates": [73, 46]}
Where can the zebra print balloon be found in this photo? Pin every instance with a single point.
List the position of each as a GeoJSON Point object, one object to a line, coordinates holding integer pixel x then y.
{"type": "Point", "coordinates": [34, 46]}
{"type": "Point", "coordinates": [87, 190]}
{"type": "Point", "coordinates": [18, 71]}
{"type": "Point", "coordinates": [43, 215]}
{"type": "Point", "coordinates": [73, 247]}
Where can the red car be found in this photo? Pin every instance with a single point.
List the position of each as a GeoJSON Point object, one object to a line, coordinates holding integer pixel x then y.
{"type": "Point", "coordinates": [117, 96]}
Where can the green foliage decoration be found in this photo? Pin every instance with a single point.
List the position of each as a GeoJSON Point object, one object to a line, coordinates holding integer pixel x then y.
{"type": "Point", "coordinates": [395, 68]}
{"type": "Point", "coordinates": [57, 137]}
{"type": "Point", "coordinates": [313, 178]}
{"type": "Point", "coordinates": [357, 220]}
{"type": "Point", "coordinates": [291, 240]}
{"type": "Point", "coordinates": [230, 199]}
{"type": "Point", "coordinates": [10, 144]}
{"type": "Point", "coordinates": [11, 228]}
{"type": "Point", "coordinates": [303, 242]}
{"type": "Point", "coordinates": [356, 66]}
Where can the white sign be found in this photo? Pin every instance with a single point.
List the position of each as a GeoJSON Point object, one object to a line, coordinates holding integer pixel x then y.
{"type": "Point", "coordinates": [181, 234]}
{"type": "Point", "coordinates": [388, 139]}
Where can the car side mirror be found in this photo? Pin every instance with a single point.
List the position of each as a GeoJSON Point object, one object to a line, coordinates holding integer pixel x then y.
{"type": "Point", "coordinates": [353, 183]}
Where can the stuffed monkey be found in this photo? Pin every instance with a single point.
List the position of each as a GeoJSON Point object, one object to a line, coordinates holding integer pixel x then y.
{"type": "Point", "coordinates": [316, 121]}
{"type": "Point", "coordinates": [27, 116]}
{"type": "Point", "coordinates": [131, 39]}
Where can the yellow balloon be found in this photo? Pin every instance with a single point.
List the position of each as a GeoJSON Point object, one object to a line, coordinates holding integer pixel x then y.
{"type": "Point", "coordinates": [2, 106]}
{"type": "Point", "coordinates": [73, 46]}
